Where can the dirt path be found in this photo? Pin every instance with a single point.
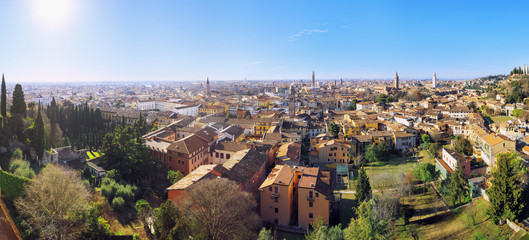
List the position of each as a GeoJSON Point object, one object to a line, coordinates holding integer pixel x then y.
{"type": "Point", "coordinates": [6, 232]}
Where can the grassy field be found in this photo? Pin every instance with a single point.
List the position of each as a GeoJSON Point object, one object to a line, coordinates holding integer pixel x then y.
{"type": "Point", "coordinates": [385, 174]}
{"type": "Point", "coordinates": [425, 158]}
{"type": "Point", "coordinates": [459, 225]}
{"type": "Point", "coordinates": [501, 119]}
{"type": "Point", "coordinates": [425, 203]}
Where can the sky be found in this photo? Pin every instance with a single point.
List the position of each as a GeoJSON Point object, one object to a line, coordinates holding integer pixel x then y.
{"type": "Point", "coordinates": [129, 40]}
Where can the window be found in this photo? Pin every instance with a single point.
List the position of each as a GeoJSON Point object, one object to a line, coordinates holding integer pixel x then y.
{"type": "Point", "coordinates": [310, 215]}
{"type": "Point", "coordinates": [276, 189]}
{"type": "Point", "coordinates": [275, 220]}
{"type": "Point", "coordinates": [317, 194]}
{"type": "Point", "coordinates": [310, 204]}
{"type": "Point", "coordinates": [217, 155]}
{"type": "Point", "coordinates": [222, 155]}
{"type": "Point", "coordinates": [276, 210]}
{"type": "Point", "coordinates": [275, 200]}
{"type": "Point", "coordinates": [227, 156]}
{"type": "Point", "coordinates": [311, 194]}
{"type": "Point", "coordinates": [270, 189]}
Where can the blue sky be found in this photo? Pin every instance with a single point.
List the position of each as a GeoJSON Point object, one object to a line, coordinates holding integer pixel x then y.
{"type": "Point", "coordinates": [128, 40]}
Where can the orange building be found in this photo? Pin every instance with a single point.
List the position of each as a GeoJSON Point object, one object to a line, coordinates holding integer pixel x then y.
{"type": "Point", "coordinates": [314, 196]}
{"type": "Point", "coordinates": [277, 196]}
{"type": "Point", "coordinates": [296, 191]}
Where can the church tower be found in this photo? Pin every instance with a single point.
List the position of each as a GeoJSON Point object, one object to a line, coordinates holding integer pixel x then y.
{"type": "Point", "coordinates": [313, 79]}
{"type": "Point", "coordinates": [208, 92]}
{"type": "Point", "coordinates": [341, 82]}
{"type": "Point", "coordinates": [434, 81]}
{"type": "Point", "coordinates": [396, 83]}
{"type": "Point", "coordinates": [292, 101]}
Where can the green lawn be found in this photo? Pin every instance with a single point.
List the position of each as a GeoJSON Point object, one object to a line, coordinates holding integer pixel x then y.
{"type": "Point", "coordinates": [385, 174]}
{"type": "Point", "coordinates": [501, 119]}
{"type": "Point", "coordinates": [425, 158]}
{"type": "Point", "coordinates": [459, 225]}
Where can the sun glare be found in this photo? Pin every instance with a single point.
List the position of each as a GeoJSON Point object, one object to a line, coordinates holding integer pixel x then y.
{"type": "Point", "coordinates": [53, 12]}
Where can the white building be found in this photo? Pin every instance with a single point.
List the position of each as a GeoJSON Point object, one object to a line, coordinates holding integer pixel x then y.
{"type": "Point", "coordinates": [364, 106]}
{"type": "Point", "coordinates": [187, 110]}
{"type": "Point", "coordinates": [406, 121]}
{"type": "Point", "coordinates": [146, 105]}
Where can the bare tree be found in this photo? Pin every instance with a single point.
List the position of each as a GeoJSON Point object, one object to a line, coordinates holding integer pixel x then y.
{"type": "Point", "coordinates": [53, 203]}
{"type": "Point", "coordinates": [222, 210]}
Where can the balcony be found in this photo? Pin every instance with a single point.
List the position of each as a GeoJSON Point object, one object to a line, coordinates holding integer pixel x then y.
{"type": "Point", "coordinates": [275, 194]}
{"type": "Point", "coordinates": [310, 199]}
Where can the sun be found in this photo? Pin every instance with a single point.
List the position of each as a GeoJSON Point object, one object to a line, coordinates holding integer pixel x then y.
{"type": "Point", "coordinates": [53, 12]}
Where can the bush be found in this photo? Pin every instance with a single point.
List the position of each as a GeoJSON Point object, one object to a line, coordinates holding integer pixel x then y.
{"type": "Point", "coordinates": [118, 203]}
{"type": "Point", "coordinates": [125, 192]}
{"type": "Point", "coordinates": [11, 185]}
{"type": "Point", "coordinates": [112, 190]}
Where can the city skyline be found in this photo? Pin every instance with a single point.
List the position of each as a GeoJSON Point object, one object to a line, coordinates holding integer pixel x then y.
{"type": "Point", "coordinates": [93, 41]}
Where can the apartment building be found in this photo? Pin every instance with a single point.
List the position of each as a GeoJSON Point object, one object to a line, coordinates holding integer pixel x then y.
{"type": "Point", "coordinates": [296, 196]}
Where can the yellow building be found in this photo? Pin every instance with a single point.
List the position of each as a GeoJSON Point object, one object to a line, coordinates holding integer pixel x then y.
{"type": "Point", "coordinates": [262, 125]}
{"type": "Point", "coordinates": [356, 126]}
{"type": "Point", "coordinates": [211, 109]}
{"type": "Point", "coordinates": [334, 151]}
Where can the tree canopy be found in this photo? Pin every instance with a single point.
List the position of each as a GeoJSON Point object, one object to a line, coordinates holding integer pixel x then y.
{"type": "Point", "coordinates": [505, 192]}
{"type": "Point", "coordinates": [55, 204]}
{"type": "Point", "coordinates": [426, 172]}
{"type": "Point", "coordinates": [363, 187]}
{"type": "Point", "coordinates": [126, 152]}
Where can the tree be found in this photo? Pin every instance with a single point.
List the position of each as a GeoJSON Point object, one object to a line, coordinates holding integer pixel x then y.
{"type": "Point", "coordinates": [516, 112]}
{"type": "Point", "coordinates": [376, 152]}
{"type": "Point", "coordinates": [426, 172]}
{"type": "Point", "coordinates": [19, 104]}
{"type": "Point", "coordinates": [505, 192]}
{"type": "Point", "coordinates": [221, 210]}
{"type": "Point", "coordinates": [246, 114]}
{"type": "Point", "coordinates": [334, 129]}
{"type": "Point", "coordinates": [458, 185]}
{"type": "Point", "coordinates": [170, 223]}
{"type": "Point", "coordinates": [324, 232]}
{"type": "Point", "coordinates": [144, 211]}
{"type": "Point", "coordinates": [21, 167]}
{"type": "Point", "coordinates": [55, 203]}
{"type": "Point", "coordinates": [3, 99]}
{"type": "Point", "coordinates": [127, 154]}
{"type": "Point", "coordinates": [363, 187]}
{"type": "Point", "coordinates": [352, 106]}
{"type": "Point", "coordinates": [433, 149]}
{"type": "Point", "coordinates": [38, 140]}
{"type": "Point", "coordinates": [463, 146]}
{"type": "Point", "coordinates": [368, 224]}
{"type": "Point", "coordinates": [426, 138]}
{"type": "Point", "coordinates": [174, 177]}
{"type": "Point", "coordinates": [265, 235]}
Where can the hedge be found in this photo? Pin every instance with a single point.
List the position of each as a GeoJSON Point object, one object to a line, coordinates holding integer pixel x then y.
{"type": "Point", "coordinates": [11, 185]}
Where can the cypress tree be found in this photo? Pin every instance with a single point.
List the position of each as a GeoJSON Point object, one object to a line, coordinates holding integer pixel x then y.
{"type": "Point", "coordinates": [39, 141]}
{"type": "Point", "coordinates": [505, 194]}
{"type": "Point", "coordinates": [3, 98]}
{"type": "Point", "coordinates": [458, 185]}
{"type": "Point", "coordinates": [363, 187]}
{"type": "Point", "coordinates": [19, 104]}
